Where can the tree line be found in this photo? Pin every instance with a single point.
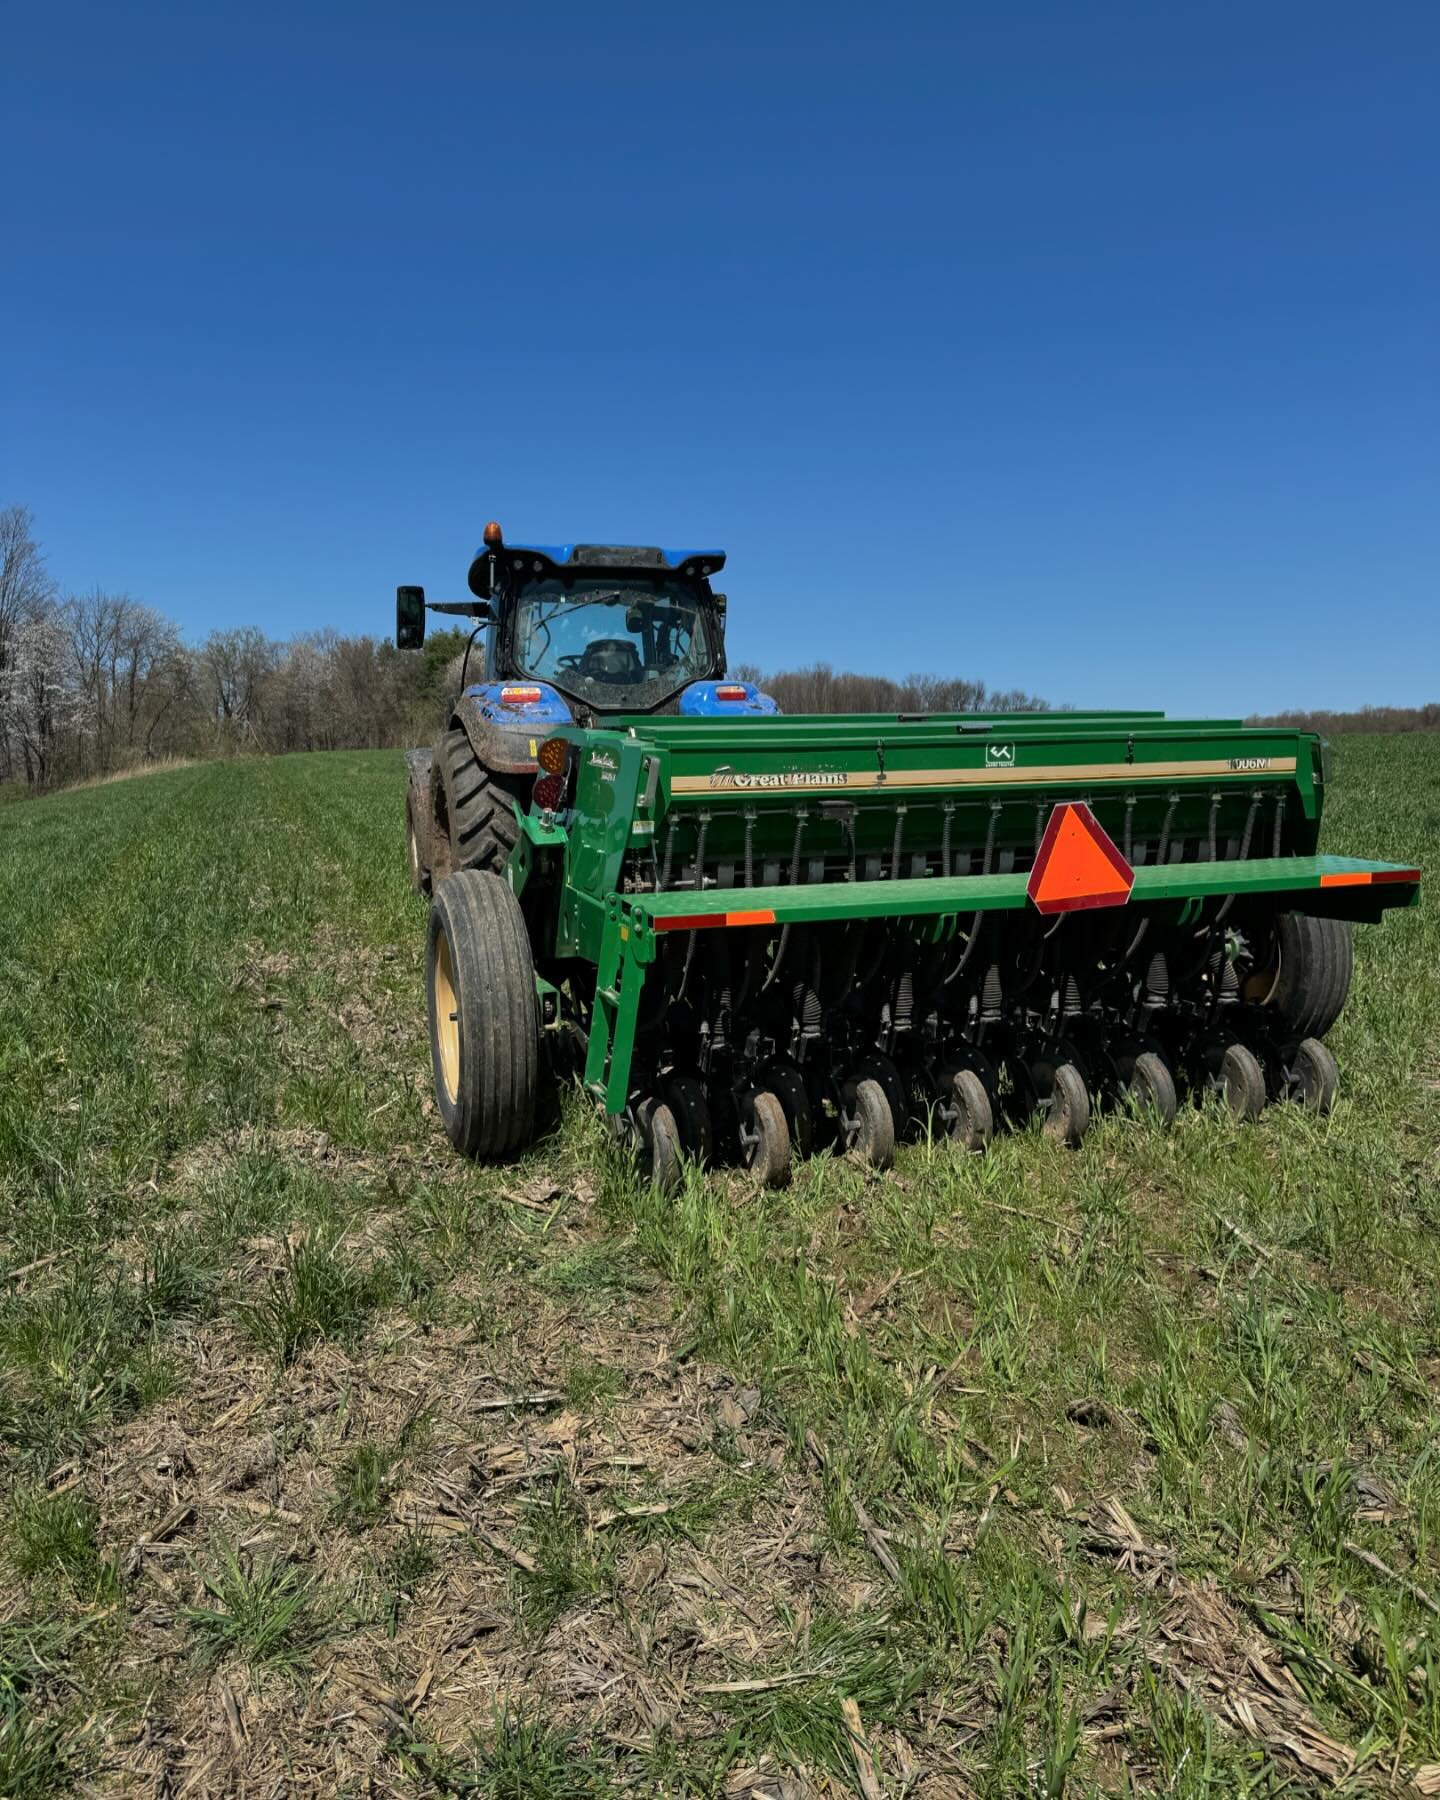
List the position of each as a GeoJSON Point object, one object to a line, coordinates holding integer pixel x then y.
{"type": "Point", "coordinates": [95, 684]}
{"type": "Point", "coordinates": [1368, 718]}
{"type": "Point", "coordinates": [821, 689]}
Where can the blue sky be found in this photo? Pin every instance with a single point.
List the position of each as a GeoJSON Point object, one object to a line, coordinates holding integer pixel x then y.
{"type": "Point", "coordinates": [1090, 348]}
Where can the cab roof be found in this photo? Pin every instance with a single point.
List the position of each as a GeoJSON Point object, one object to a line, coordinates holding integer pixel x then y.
{"type": "Point", "coordinates": [637, 557]}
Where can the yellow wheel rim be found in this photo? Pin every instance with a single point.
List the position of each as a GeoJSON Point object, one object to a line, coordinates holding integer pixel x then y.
{"type": "Point", "coordinates": [447, 1018]}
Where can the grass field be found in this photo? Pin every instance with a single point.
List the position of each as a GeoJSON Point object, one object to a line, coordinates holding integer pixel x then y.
{"type": "Point", "coordinates": [334, 1465]}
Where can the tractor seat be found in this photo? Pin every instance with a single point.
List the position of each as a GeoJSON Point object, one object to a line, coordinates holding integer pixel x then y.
{"type": "Point", "coordinates": [611, 659]}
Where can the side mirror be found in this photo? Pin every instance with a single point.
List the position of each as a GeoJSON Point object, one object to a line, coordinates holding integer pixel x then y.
{"type": "Point", "coordinates": [409, 618]}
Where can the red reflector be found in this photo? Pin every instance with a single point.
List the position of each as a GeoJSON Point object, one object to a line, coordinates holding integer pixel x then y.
{"type": "Point", "coordinates": [1078, 865]}
{"type": "Point", "coordinates": [519, 696]}
{"type": "Point", "coordinates": [1365, 877]}
{"type": "Point", "coordinates": [699, 921]}
{"type": "Point", "coordinates": [732, 693]}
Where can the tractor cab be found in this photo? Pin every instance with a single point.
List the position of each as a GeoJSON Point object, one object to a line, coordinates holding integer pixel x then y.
{"type": "Point", "coordinates": [611, 628]}
{"type": "Point", "coordinates": [611, 636]}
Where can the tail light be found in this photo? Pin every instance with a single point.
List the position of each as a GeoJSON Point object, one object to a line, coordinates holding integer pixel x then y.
{"type": "Point", "coordinates": [550, 793]}
{"type": "Point", "coordinates": [519, 696]}
{"type": "Point", "coordinates": [730, 691]}
{"type": "Point", "coordinates": [554, 756]}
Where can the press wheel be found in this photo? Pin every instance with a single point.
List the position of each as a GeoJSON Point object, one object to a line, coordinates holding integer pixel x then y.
{"type": "Point", "coordinates": [1064, 1102]}
{"type": "Point", "coordinates": [764, 1138]}
{"type": "Point", "coordinates": [1152, 1087]}
{"type": "Point", "coordinates": [965, 1109]}
{"type": "Point", "coordinates": [1242, 1081]}
{"type": "Point", "coordinates": [659, 1146]}
{"type": "Point", "coordinates": [684, 1095]}
{"type": "Point", "coordinates": [1314, 1076]}
{"type": "Point", "coordinates": [867, 1121]}
{"type": "Point", "coordinates": [787, 1084]}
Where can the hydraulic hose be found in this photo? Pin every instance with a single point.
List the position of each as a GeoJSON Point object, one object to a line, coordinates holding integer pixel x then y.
{"type": "Point", "coordinates": [975, 923]}
{"type": "Point", "coordinates": [802, 819]}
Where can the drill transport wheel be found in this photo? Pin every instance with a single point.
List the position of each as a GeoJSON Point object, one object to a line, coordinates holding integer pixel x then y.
{"type": "Point", "coordinates": [1065, 1106]}
{"type": "Point", "coordinates": [1152, 1087]}
{"type": "Point", "coordinates": [1309, 980]}
{"type": "Point", "coordinates": [867, 1121]}
{"type": "Point", "coordinates": [764, 1138]}
{"type": "Point", "coordinates": [1314, 1077]}
{"type": "Point", "coordinates": [1242, 1081]}
{"type": "Point", "coordinates": [965, 1110]}
{"type": "Point", "coordinates": [484, 1023]}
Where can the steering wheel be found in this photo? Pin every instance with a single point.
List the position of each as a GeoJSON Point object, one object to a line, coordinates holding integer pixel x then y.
{"type": "Point", "coordinates": [568, 662]}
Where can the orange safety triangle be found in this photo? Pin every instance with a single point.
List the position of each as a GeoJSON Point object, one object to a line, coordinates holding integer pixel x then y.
{"type": "Point", "coordinates": [1078, 865]}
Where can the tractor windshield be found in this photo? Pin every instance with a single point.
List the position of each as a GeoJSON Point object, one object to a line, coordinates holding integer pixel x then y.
{"type": "Point", "coordinates": [615, 642]}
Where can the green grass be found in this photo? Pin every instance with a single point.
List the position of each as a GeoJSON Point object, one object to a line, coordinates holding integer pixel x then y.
{"type": "Point", "coordinates": [268, 1614]}
{"type": "Point", "coordinates": [224, 1197]}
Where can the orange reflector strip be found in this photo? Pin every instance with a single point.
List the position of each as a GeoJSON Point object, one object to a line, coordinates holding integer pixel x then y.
{"type": "Point", "coordinates": [1078, 865]}
{"type": "Point", "coordinates": [1367, 877]}
{"type": "Point", "coordinates": [698, 921]}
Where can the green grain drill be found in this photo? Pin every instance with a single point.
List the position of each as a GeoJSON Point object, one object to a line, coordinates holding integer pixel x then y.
{"type": "Point", "coordinates": [759, 934]}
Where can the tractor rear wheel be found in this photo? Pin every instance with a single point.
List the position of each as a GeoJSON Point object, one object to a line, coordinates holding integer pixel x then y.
{"type": "Point", "coordinates": [484, 1022]}
{"type": "Point", "coordinates": [479, 806]}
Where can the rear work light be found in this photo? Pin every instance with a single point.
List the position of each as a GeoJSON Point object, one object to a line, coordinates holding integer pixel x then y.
{"type": "Point", "coordinates": [728, 691]}
{"type": "Point", "coordinates": [519, 696]}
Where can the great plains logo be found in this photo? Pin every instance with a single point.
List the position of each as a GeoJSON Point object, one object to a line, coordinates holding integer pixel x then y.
{"type": "Point", "coordinates": [728, 777]}
{"type": "Point", "coordinates": [999, 756]}
{"type": "Point", "coordinates": [1244, 765]}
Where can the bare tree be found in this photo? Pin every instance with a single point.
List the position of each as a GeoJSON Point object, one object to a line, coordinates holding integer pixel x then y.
{"type": "Point", "coordinates": [236, 666]}
{"type": "Point", "coordinates": [26, 591]}
{"type": "Point", "coordinates": [41, 703]}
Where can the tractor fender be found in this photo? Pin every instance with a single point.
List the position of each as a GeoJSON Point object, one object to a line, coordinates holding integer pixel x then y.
{"type": "Point", "coordinates": [418, 763]}
{"type": "Point", "coordinates": [506, 736]}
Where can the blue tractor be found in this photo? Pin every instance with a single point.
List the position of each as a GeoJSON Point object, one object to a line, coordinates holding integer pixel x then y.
{"type": "Point", "coordinates": [569, 634]}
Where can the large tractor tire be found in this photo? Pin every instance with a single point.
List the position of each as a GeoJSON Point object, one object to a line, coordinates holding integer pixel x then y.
{"type": "Point", "coordinates": [484, 1019]}
{"type": "Point", "coordinates": [479, 806]}
{"type": "Point", "coordinates": [1312, 962]}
